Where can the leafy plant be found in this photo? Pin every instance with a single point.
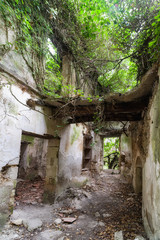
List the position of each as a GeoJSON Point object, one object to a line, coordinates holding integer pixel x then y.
{"type": "Point", "coordinates": [111, 152]}
{"type": "Point", "coordinates": [112, 43]}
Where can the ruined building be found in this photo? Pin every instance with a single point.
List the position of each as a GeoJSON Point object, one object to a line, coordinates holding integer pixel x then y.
{"type": "Point", "coordinates": [52, 139]}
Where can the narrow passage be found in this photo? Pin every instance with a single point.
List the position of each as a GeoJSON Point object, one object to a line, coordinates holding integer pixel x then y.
{"type": "Point", "coordinates": [105, 205]}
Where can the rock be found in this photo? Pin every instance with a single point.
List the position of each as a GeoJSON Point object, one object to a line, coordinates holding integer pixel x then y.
{"type": "Point", "coordinates": [106, 215]}
{"type": "Point", "coordinates": [67, 211]}
{"type": "Point", "coordinates": [17, 222]}
{"type": "Point", "coordinates": [97, 214]}
{"type": "Point", "coordinates": [130, 199]}
{"type": "Point", "coordinates": [69, 219]}
{"type": "Point", "coordinates": [78, 181]}
{"type": "Point", "coordinates": [32, 224]}
{"type": "Point", "coordinates": [139, 238]}
{"type": "Point", "coordinates": [58, 221]}
{"type": "Point", "coordinates": [92, 224]}
{"type": "Point", "coordinates": [14, 216]}
{"type": "Point", "coordinates": [88, 195]}
{"type": "Point", "coordinates": [101, 224]}
{"type": "Point", "coordinates": [9, 236]}
{"type": "Point", "coordinates": [77, 204]}
{"type": "Point", "coordinates": [118, 235]}
{"type": "Point", "coordinates": [82, 217]}
{"type": "Point", "coordinates": [61, 238]}
{"type": "Point", "coordinates": [50, 234]}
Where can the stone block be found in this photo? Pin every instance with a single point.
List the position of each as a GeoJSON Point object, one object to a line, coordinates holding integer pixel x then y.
{"type": "Point", "coordinates": [3, 220]}
{"type": "Point", "coordinates": [5, 194]}
{"type": "Point", "coordinates": [118, 235]}
{"type": "Point", "coordinates": [12, 172]}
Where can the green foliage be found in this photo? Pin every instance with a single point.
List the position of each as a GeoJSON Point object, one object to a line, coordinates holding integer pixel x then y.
{"type": "Point", "coordinates": [133, 31]}
{"type": "Point", "coordinates": [112, 42]}
{"type": "Point", "coordinates": [123, 38]}
{"type": "Point", "coordinates": [53, 77]}
{"type": "Point", "coordinates": [111, 152]}
{"type": "Point", "coordinates": [111, 145]}
{"type": "Point", "coordinates": [31, 30]}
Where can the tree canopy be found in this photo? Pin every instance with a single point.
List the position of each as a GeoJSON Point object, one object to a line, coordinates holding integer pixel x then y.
{"type": "Point", "coordinates": [113, 42]}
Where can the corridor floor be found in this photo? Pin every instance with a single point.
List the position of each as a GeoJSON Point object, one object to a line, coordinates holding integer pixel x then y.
{"type": "Point", "coordinates": [105, 205]}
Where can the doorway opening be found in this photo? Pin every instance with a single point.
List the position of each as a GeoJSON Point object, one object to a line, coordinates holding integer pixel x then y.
{"type": "Point", "coordinates": [111, 153]}
{"type": "Point", "coordinates": [32, 169]}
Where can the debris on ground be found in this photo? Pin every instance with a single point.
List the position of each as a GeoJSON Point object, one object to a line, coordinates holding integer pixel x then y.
{"type": "Point", "coordinates": [105, 208]}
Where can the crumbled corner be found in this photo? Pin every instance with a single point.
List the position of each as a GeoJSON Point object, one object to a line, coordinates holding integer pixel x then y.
{"type": "Point", "coordinates": [8, 182]}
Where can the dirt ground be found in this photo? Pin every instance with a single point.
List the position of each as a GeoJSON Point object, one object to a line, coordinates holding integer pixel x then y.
{"type": "Point", "coordinates": [105, 205]}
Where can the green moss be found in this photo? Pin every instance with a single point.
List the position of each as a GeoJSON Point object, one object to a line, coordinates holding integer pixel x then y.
{"type": "Point", "coordinates": [31, 176]}
{"type": "Point", "coordinates": [18, 65]}
{"type": "Point", "coordinates": [29, 159]}
{"type": "Point", "coordinates": [79, 184]}
{"type": "Point", "coordinates": [125, 139]}
{"type": "Point", "coordinates": [14, 184]}
{"type": "Point", "coordinates": [48, 197]}
{"type": "Point", "coordinates": [3, 220]}
{"type": "Point", "coordinates": [11, 208]}
{"type": "Point", "coordinates": [75, 135]}
{"type": "Point", "coordinates": [12, 108]}
{"type": "Point", "coordinates": [28, 139]}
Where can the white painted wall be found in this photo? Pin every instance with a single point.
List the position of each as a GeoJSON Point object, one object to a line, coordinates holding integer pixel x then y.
{"type": "Point", "coordinates": [11, 58]}
{"type": "Point", "coordinates": [14, 118]}
{"type": "Point", "coordinates": [70, 152]}
{"type": "Point", "coordinates": [151, 174]}
{"type": "Point", "coordinates": [126, 156]}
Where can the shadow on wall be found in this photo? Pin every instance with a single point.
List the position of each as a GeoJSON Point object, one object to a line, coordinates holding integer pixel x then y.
{"type": "Point", "coordinates": [32, 158]}
{"type": "Point", "coordinates": [138, 176]}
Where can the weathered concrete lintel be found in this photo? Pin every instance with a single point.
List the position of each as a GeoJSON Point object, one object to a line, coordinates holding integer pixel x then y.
{"type": "Point", "coordinates": [45, 136]}
{"type": "Point", "coordinates": [107, 117]}
{"type": "Point", "coordinates": [115, 107]}
{"type": "Point", "coordinates": [112, 133]}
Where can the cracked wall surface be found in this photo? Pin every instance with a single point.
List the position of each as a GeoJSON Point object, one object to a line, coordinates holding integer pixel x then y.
{"type": "Point", "coordinates": [145, 165]}
{"type": "Point", "coordinates": [16, 117]}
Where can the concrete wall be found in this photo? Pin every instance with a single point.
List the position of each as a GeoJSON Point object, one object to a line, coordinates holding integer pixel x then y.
{"type": "Point", "coordinates": [151, 173]}
{"type": "Point", "coordinates": [97, 153]}
{"type": "Point", "coordinates": [145, 169]}
{"type": "Point", "coordinates": [11, 59]}
{"type": "Point", "coordinates": [125, 159]}
{"type": "Point", "coordinates": [15, 118]}
{"type": "Point", "coordinates": [33, 158]}
{"type": "Point", "coordinates": [70, 154]}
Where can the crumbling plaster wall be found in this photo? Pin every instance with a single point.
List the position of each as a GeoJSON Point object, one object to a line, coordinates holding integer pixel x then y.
{"type": "Point", "coordinates": [145, 137]}
{"type": "Point", "coordinates": [15, 117]}
{"type": "Point", "coordinates": [151, 172]}
{"type": "Point", "coordinates": [74, 80]}
{"type": "Point", "coordinates": [33, 158]}
{"type": "Point", "coordinates": [17, 85]}
{"type": "Point", "coordinates": [10, 58]}
{"type": "Point", "coordinates": [97, 153]}
{"type": "Point", "coordinates": [125, 159]}
{"type": "Point", "coordinates": [71, 143]}
{"type": "Point", "coordinates": [70, 154]}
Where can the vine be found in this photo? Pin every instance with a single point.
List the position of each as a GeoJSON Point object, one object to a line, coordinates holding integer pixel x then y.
{"type": "Point", "coordinates": [111, 43]}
